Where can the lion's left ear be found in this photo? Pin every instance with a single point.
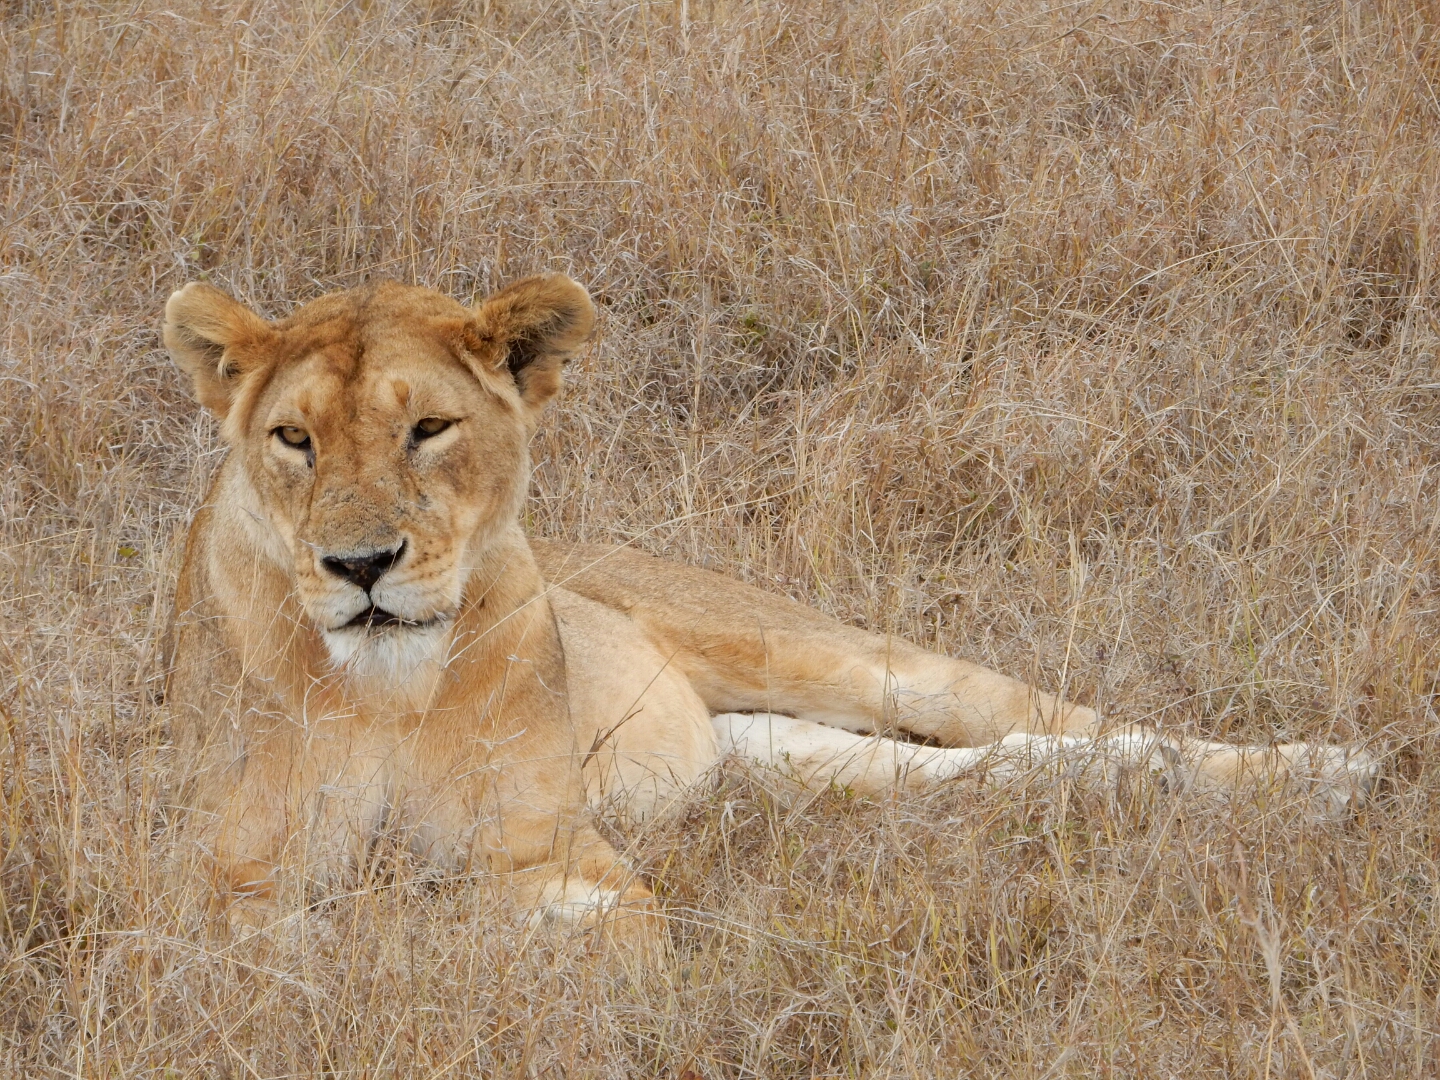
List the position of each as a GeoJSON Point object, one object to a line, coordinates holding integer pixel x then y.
{"type": "Point", "coordinates": [530, 328]}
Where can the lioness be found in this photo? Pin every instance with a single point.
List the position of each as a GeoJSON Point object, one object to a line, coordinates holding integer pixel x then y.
{"type": "Point", "coordinates": [364, 639]}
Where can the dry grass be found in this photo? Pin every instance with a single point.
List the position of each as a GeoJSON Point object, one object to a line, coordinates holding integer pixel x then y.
{"type": "Point", "coordinates": [1097, 341]}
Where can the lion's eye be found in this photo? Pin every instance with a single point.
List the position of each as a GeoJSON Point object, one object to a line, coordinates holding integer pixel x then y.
{"type": "Point", "coordinates": [294, 436]}
{"type": "Point", "coordinates": [431, 425]}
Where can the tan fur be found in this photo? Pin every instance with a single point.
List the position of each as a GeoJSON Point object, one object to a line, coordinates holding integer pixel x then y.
{"type": "Point", "coordinates": [520, 684]}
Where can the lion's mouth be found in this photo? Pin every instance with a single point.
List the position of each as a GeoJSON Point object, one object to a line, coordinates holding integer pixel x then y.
{"type": "Point", "coordinates": [374, 618]}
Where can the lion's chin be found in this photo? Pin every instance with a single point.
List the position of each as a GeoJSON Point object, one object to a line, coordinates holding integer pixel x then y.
{"type": "Point", "coordinates": [394, 655]}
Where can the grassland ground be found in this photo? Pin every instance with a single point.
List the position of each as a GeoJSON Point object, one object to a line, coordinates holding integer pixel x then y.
{"type": "Point", "coordinates": [1093, 341]}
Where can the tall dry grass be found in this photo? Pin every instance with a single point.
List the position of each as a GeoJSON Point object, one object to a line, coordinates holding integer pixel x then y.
{"type": "Point", "coordinates": [1096, 341]}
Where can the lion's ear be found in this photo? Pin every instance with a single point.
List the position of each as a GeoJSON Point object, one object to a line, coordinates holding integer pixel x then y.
{"type": "Point", "coordinates": [215, 340]}
{"type": "Point", "coordinates": [530, 328]}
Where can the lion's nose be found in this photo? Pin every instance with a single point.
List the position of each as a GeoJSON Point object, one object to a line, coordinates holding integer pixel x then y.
{"type": "Point", "coordinates": [363, 569]}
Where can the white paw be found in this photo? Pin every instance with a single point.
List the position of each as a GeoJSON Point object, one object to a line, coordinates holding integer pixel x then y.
{"type": "Point", "coordinates": [251, 915]}
{"type": "Point", "coordinates": [574, 903]}
{"type": "Point", "coordinates": [1339, 779]}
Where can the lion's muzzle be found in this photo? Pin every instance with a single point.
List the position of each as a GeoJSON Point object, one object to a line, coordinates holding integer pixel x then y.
{"type": "Point", "coordinates": [370, 590]}
{"type": "Point", "coordinates": [363, 568]}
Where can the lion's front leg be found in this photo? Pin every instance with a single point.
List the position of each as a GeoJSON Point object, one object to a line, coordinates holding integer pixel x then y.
{"type": "Point", "coordinates": [289, 804]}
{"type": "Point", "coordinates": [515, 809]}
{"type": "Point", "coordinates": [238, 826]}
{"type": "Point", "coordinates": [552, 867]}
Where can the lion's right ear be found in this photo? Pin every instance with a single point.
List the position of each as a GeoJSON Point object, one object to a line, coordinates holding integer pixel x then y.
{"type": "Point", "coordinates": [215, 340]}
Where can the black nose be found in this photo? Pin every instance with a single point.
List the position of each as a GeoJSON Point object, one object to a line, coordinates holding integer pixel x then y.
{"type": "Point", "coordinates": [363, 570]}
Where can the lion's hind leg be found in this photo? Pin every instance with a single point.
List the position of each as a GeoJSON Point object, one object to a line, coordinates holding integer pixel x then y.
{"type": "Point", "coordinates": [818, 755]}
{"type": "Point", "coordinates": [1329, 780]}
{"type": "Point", "coordinates": [1333, 779]}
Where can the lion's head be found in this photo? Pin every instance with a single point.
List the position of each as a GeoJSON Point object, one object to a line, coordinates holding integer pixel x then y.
{"type": "Point", "coordinates": [382, 435]}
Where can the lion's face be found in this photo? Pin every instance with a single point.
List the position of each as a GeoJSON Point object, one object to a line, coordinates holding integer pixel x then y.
{"type": "Point", "coordinates": [383, 436]}
{"type": "Point", "coordinates": [378, 459]}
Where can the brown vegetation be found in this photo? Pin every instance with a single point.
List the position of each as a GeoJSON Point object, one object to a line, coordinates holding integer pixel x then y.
{"type": "Point", "coordinates": [1094, 341]}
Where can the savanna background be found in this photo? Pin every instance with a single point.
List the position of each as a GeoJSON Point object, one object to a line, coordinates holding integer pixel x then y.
{"type": "Point", "coordinates": [1096, 341]}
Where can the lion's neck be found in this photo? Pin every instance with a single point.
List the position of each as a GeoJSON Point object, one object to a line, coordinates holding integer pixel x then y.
{"type": "Point", "coordinates": [501, 576]}
{"type": "Point", "coordinates": [397, 673]}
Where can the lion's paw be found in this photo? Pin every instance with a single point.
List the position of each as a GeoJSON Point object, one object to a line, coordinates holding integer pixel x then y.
{"type": "Point", "coordinates": [1337, 779]}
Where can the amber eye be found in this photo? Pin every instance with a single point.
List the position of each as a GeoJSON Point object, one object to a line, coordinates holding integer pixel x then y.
{"type": "Point", "coordinates": [294, 436]}
{"type": "Point", "coordinates": [431, 425]}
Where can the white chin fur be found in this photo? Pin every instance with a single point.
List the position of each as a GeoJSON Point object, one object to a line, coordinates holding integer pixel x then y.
{"type": "Point", "coordinates": [396, 658]}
